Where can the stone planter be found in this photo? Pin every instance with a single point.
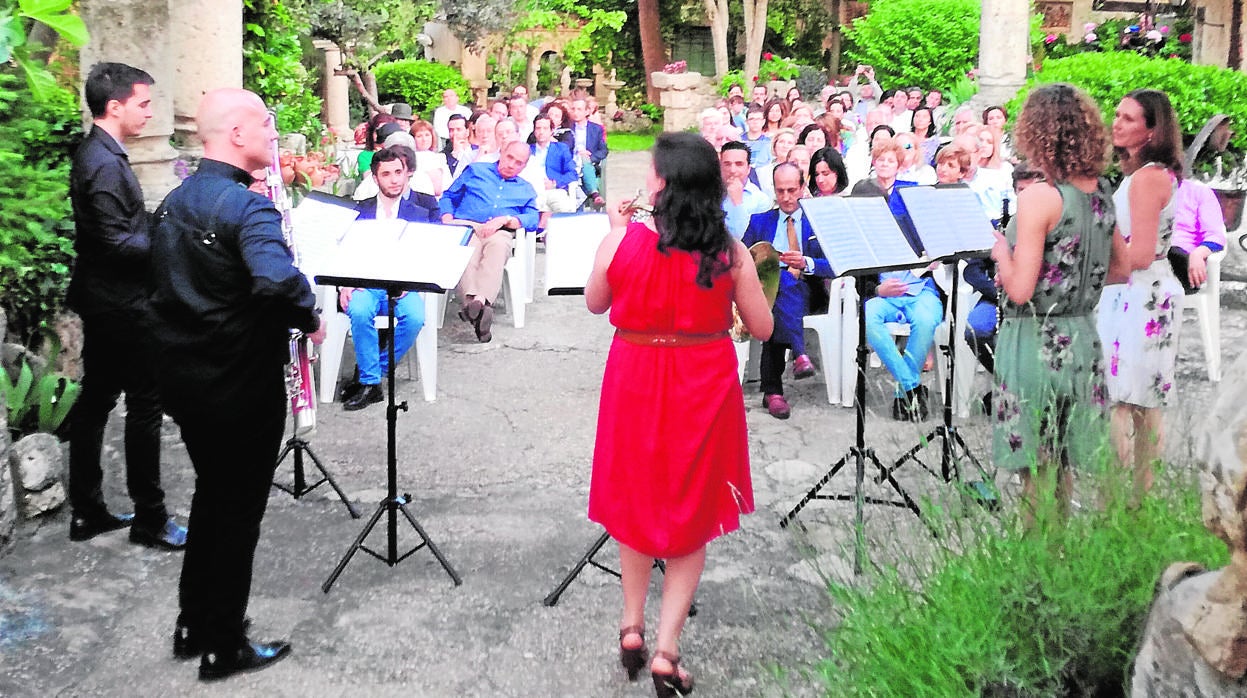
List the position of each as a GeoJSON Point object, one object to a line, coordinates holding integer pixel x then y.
{"type": "Point", "coordinates": [1231, 201]}
{"type": "Point", "coordinates": [675, 81]}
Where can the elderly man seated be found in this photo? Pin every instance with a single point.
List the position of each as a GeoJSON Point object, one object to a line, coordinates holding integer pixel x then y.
{"type": "Point", "coordinates": [391, 169]}
{"type": "Point", "coordinates": [495, 202]}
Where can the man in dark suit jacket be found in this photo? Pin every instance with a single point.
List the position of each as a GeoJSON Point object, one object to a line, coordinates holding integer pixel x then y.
{"type": "Point", "coordinates": [393, 201]}
{"type": "Point", "coordinates": [458, 150]}
{"type": "Point", "coordinates": [109, 291]}
{"type": "Point", "coordinates": [782, 227]}
{"type": "Point", "coordinates": [590, 149]}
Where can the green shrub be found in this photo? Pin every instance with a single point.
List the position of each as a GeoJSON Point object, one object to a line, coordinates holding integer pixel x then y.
{"type": "Point", "coordinates": [916, 42]}
{"type": "Point", "coordinates": [810, 81]}
{"type": "Point", "coordinates": [653, 111]}
{"type": "Point", "coordinates": [36, 221]}
{"type": "Point", "coordinates": [419, 83]}
{"type": "Point", "coordinates": [733, 77]}
{"type": "Point", "coordinates": [1196, 91]}
{"type": "Point", "coordinates": [37, 399]}
{"type": "Point", "coordinates": [995, 610]}
{"type": "Point", "coordinates": [273, 68]}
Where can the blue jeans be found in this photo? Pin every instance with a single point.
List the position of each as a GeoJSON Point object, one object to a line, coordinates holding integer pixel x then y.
{"type": "Point", "coordinates": [981, 333]}
{"type": "Point", "coordinates": [923, 313]}
{"type": "Point", "coordinates": [366, 304]}
{"type": "Point", "coordinates": [589, 178]}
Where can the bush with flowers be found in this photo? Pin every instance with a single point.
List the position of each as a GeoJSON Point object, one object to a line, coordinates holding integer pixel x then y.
{"type": "Point", "coordinates": [773, 67]}
{"type": "Point", "coordinates": [1161, 37]}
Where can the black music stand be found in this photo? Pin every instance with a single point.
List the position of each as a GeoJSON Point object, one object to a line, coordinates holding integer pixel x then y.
{"type": "Point", "coordinates": [951, 223]}
{"type": "Point", "coordinates": [297, 446]}
{"type": "Point", "coordinates": [389, 262]}
{"type": "Point", "coordinates": [860, 237]}
{"type": "Point", "coordinates": [587, 560]}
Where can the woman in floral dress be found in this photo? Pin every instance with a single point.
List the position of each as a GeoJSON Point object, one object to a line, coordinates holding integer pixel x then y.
{"type": "Point", "coordinates": [1050, 390]}
{"type": "Point", "coordinates": [1141, 311]}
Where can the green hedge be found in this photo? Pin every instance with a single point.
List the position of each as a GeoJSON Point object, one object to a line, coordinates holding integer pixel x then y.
{"type": "Point", "coordinates": [915, 42]}
{"type": "Point", "coordinates": [418, 83]}
{"type": "Point", "coordinates": [36, 221]}
{"type": "Point", "coordinates": [1198, 92]}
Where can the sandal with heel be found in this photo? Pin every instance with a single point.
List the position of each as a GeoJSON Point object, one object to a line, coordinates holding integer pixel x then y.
{"type": "Point", "coordinates": [632, 658]}
{"type": "Point", "coordinates": [673, 684]}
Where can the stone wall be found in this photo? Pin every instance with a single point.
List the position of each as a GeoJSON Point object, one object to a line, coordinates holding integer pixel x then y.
{"type": "Point", "coordinates": [682, 97]}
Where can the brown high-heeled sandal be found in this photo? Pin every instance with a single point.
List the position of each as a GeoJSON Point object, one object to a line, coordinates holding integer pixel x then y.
{"type": "Point", "coordinates": [671, 685]}
{"type": "Point", "coordinates": [632, 658]}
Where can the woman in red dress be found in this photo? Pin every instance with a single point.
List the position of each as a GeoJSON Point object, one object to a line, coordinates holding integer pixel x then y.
{"type": "Point", "coordinates": [671, 462]}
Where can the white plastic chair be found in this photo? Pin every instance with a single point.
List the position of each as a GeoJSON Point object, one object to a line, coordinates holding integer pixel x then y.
{"type": "Point", "coordinates": [338, 326]}
{"type": "Point", "coordinates": [834, 329]}
{"type": "Point", "coordinates": [572, 242]}
{"type": "Point", "coordinates": [1207, 303]}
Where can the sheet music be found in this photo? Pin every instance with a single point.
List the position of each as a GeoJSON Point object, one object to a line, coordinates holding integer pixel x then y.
{"type": "Point", "coordinates": [317, 227]}
{"type": "Point", "coordinates": [571, 245]}
{"type": "Point", "coordinates": [384, 251]}
{"type": "Point", "coordinates": [859, 234]}
{"type": "Point", "coordinates": [438, 234]}
{"type": "Point", "coordinates": [950, 222]}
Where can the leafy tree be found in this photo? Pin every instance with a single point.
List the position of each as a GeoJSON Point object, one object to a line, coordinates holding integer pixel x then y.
{"type": "Point", "coordinates": [367, 31]}
{"type": "Point", "coordinates": [916, 42]}
{"type": "Point", "coordinates": [273, 67]}
{"type": "Point", "coordinates": [539, 18]}
{"type": "Point", "coordinates": [19, 22]}
{"type": "Point", "coordinates": [474, 20]}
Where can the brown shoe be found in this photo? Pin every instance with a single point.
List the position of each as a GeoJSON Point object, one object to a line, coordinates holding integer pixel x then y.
{"type": "Point", "coordinates": [484, 324]}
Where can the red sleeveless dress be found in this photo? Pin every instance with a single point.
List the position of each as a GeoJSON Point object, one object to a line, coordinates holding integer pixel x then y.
{"type": "Point", "coordinates": [671, 461]}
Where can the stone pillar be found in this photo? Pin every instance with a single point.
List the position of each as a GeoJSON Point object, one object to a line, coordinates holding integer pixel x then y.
{"type": "Point", "coordinates": [1212, 33]}
{"type": "Point", "coordinates": [680, 99]}
{"type": "Point", "coordinates": [1003, 49]}
{"type": "Point", "coordinates": [337, 90]}
{"type": "Point", "coordinates": [132, 32]}
{"type": "Point", "coordinates": [205, 47]}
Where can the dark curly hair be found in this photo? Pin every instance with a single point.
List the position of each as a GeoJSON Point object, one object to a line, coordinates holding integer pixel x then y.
{"type": "Point", "coordinates": [1061, 132]}
{"type": "Point", "coordinates": [688, 212]}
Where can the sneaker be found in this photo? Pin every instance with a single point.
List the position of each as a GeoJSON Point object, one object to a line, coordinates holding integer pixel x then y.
{"type": "Point", "coordinates": [777, 406]}
{"type": "Point", "coordinates": [802, 367]}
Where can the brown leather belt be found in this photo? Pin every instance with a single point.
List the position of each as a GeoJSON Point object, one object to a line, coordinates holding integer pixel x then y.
{"type": "Point", "coordinates": [650, 339]}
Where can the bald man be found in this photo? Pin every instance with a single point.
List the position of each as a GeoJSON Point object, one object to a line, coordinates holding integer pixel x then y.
{"type": "Point", "coordinates": [226, 295]}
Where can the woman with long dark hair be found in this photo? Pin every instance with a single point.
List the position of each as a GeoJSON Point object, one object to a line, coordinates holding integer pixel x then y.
{"type": "Point", "coordinates": [828, 176]}
{"type": "Point", "coordinates": [1141, 309]}
{"type": "Point", "coordinates": [1049, 378]}
{"type": "Point", "coordinates": [671, 461]}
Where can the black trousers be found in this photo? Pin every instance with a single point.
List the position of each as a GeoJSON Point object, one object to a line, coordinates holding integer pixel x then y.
{"type": "Point", "coordinates": [234, 453]}
{"type": "Point", "coordinates": [117, 356]}
{"type": "Point", "coordinates": [771, 367]}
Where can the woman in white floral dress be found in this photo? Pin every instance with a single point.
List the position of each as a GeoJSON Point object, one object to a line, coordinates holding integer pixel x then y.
{"type": "Point", "coordinates": [1049, 397]}
{"type": "Point", "coordinates": [1140, 311]}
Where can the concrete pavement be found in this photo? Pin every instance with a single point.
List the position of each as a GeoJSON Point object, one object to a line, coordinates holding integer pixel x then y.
{"type": "Point", "coordinates": [498, 469]}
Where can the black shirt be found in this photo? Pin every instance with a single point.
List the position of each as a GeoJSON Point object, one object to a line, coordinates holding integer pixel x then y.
{"type": "Point", "coordinates": [226, 291]}
{"type": "Point", "coordinates": [112, 230]}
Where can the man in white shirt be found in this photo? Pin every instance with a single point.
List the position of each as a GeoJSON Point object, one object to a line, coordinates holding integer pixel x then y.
{"type": "Point", "coordinates": [441, 115]}
{"type": "Point", "coordinates": [743, 198]}
{"type": "Point", "coordinates": [518, 108]}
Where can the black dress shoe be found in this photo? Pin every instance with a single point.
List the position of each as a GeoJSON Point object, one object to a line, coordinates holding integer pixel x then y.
{"type": "Point", "coordinates": [186, 643]}
{"type": "Point", "coordinates": [250, 656]}
{"type": "Point", "coordinates": [86, 527]}
{"type": "Point", "coordinates": [167, 536]}
{"type": "Point", "coordinates": [365, 396]}
{"type": "Point", "coordinates": [348, 391]}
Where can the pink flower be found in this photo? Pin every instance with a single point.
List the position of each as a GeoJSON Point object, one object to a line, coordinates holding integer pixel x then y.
{"type": "Point", "coordinates": [1049, 38]}
{"type": "Point", "coordinates": [1152, 328]}
{"type": "Point", "coordinates": [767, 56]}
{"type": "Point", "coordinates": [1090, 38]}
{"type": "Point", "coordinates": [1164, 29]}
{"type": "Point", "coordinates": [1155, 36]}
{"type": "Point", "coordinates": [1184, 38]}
{"type": "Point", "coordinates": [1089, 27]}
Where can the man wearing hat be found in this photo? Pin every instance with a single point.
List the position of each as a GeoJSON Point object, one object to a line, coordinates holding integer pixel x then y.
{"type": "Point", "coordinates": [402, 112]}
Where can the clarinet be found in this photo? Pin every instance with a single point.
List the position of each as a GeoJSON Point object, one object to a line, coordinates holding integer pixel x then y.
{"type": "Point", "coordinates": [299, 385]}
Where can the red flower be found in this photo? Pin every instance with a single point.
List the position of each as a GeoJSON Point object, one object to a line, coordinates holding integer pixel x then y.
{"type": "Point", "coordinates": [1185, 38]}
{"type": "Point", "coordinates": [755, 78]}
{"type": "Point", "coordinates": [767, 56]}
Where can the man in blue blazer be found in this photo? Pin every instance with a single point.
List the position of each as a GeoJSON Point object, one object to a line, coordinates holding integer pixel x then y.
{"type": "Point", "coordinates": [391, 172]}
{"type": "Point", "coordinates": [551, 169]}
{"type": "Point", "coordinates": [590, 148]}
{"type": "Point", "coordinates": [782, 227]}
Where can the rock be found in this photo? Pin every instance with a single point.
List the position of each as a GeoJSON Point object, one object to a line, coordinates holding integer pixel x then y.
{"type": "Point", "coordinates": [1168, 664]}
{"type": "Point", "coordinates": [12, 354]}
{"type": "Point", "coordinates": [37, 461]}
{"type": "Point", "coordinates": [8, 503]}
{"type": "Point", "coordinates": [295, 143]}
{"type": "Point", "coordinates": [4, 324]}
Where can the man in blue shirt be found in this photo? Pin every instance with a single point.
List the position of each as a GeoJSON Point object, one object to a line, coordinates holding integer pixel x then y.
{"type": "Point", "coordinates": [759, 143]}
{"type": "Point", "coordinates": [492, 199]}
{"type": "Point", "coordinates": [743, 198]}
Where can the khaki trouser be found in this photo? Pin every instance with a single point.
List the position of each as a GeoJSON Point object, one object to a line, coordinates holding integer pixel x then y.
{"type": "Point", "coordinates": [483, 277]}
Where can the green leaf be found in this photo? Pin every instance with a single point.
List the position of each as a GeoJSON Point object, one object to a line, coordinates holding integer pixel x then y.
{"type": "Point", "coordinates": [39, 80]}
{"type": "Point", "coordinates": [34, 8]}
{"type": "Point", "coordinates": [70, 27]}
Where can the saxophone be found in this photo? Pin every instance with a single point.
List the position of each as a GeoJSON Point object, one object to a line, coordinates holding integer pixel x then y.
{"type": "Point", "coordinates": [299, 385]}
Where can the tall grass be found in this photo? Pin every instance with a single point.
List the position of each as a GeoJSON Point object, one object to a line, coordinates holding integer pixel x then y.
{"type": "Point", "coordinates": [992, 609]}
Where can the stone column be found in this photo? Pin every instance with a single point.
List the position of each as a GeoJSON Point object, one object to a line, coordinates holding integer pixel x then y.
{"type": "Point", "coordinates": [680, 99]}
{"type": "Point", "coordinates": [1004, 37]}
{"type": "Point", "coordinates": [205, 46]}
{"type": "Point", "coordinates": [337, 89]}
{"type": "Point", "coordinates": [132, 32]}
